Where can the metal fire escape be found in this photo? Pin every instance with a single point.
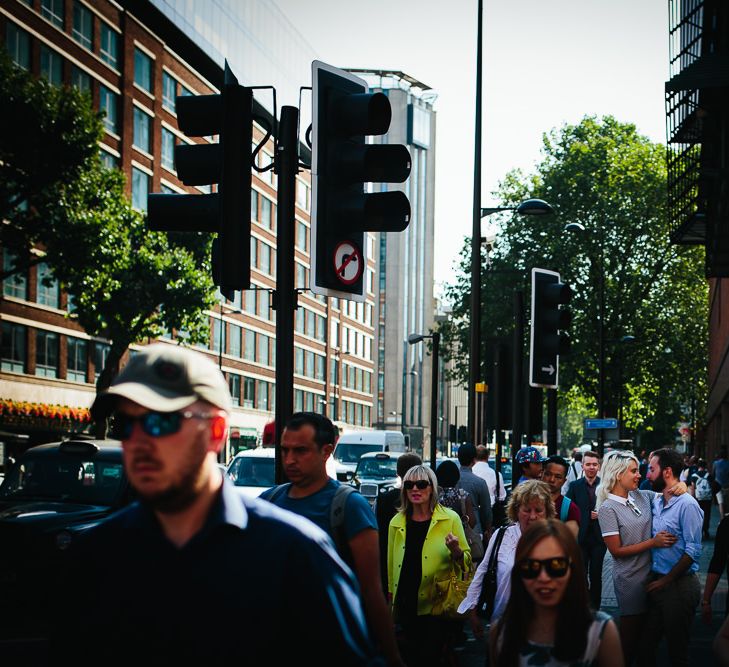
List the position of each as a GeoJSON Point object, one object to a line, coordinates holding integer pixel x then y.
{"type": "Point", "coordinates": [697, 128]}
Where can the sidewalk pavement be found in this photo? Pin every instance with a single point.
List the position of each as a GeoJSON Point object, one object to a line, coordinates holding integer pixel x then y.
{"type": "Point", "coordinates": [473, 653]}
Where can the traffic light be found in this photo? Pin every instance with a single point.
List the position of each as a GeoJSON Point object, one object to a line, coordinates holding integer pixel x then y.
{"type": "Point", "coordinates": [462, 434]}
{"type": "Point", "coordinates": [226, 212]}
{"type": "Point", "coordinates": [549, 322]}
{"type": "Point", "coordinates": [342, 162]}
{"type": "Point", "coordinates": [452, 433]}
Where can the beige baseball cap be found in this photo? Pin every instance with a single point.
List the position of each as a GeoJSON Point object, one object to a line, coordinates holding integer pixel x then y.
{"type": "Point", "coordinates": [166, 378]}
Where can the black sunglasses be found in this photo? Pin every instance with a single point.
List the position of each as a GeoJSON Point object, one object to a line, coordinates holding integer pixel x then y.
{"type": "Point", "coordinates": [421, 484]}
{"type": "Point", "coordinates": [154, 424]}
{"type": "Point", "coordinates": [556, 568]}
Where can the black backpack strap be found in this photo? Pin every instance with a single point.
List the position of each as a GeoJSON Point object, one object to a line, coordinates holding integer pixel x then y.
{"type": "Point", "coordinates": [336, 517]}
{"type": "Point", "coordinates": [278, 491]}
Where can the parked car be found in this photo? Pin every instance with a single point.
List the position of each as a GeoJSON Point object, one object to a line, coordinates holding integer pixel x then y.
{"type": "Point", "coordinates": [49, 496]}
{"type": "Point", "coordinates": [376, 473]}
{"type": "Point", "coordinates": [254, 470]}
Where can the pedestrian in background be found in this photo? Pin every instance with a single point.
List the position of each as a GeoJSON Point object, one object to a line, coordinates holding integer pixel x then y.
{"type": "Point", "coordinates": [386, 508]}
{"type": "Point", "coordinates": [307, 443]}
{"type": "Point", "coordinates": [529, 464]}
{"type": "Point", "coordinates": [674, 590]}
{"type": "Point", "coordinates": [575, 470]}
{"type": "Point", "coordinates": [529, 502]}
{"type": "Point", "coordinates": [146, 587]}
{"type": "Point", "coordinates": [554, 474]}
{"type": "Point", "coordinates": [426, 544]}
{"type": "Point", "coordinates": [583, 492]}
{"type": "Point", "coordinates": [497, 490]}
{"type": "Point", "coordinates": [477, 489]}
{"type": "Point", "coordinates": [720, 472]}
{"type": "Point", "coordinates": [548, 620]}
{"type": "Point", "coordinates": [719, 563]}
{"type": "Point", "coordinates": [625, 519]}
{"type": "Point", "coordinates": [700, 488]}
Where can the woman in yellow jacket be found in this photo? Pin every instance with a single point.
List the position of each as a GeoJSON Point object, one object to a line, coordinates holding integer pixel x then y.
{"type": "Point", "coordinates": [426, 543]}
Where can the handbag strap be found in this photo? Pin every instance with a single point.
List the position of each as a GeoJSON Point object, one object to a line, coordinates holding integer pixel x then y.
{"type": "Point", "coordinates": [495, 551]}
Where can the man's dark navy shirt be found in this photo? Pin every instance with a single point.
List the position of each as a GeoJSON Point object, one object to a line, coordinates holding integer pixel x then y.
{"type": "Point", "coordinates": [257, 585]}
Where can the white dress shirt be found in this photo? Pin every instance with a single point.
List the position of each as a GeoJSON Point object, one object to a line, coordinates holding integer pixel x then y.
{"type": "Point", "coordinates": [485, 471]}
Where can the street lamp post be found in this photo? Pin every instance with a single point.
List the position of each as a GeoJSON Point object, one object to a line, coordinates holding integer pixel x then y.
{"type": "Point", "coordinates": [527, 207]}
{"type": "Point", "coordinates": [435, 337]}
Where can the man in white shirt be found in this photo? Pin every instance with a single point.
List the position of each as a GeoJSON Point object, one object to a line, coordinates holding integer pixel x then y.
{"type": "Point", "coordinates": [574, 471]}
{"type": "Point", "coordinates": [485, 471]}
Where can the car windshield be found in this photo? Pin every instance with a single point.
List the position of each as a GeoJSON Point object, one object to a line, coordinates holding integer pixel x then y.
{"type": "Point", "coordinates": [350, 452]}
{"type": "Point", "coordinates": [253, 471]}
{"type": "Point", "coordinates": [63, 479]}
{"type": "Point", "coordinates": [377, 468]}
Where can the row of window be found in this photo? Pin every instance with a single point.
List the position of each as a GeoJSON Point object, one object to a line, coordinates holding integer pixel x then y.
{"type": "Point", "coordinates": [354, 378]}
{"type": "Point", "coordinates": [47, 291]}
{"type": "Point", "coordinates": [252, 393]}
{"type": "Point", "coordinates": [353, 341]}
{"type": "Point", "coordinates": [80, 354]}
{"type": "Point", "coordinates": [309, 364]}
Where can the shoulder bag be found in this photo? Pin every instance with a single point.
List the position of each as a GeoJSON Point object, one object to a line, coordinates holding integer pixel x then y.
{"type": "Point", "coordinates": [485, 605]}
{"type": "Point", "coordinates": [449, 593]}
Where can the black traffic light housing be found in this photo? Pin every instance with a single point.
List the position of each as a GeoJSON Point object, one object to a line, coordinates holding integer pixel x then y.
{"type": "Point", "coordinates": [344, 114]}
{"type": "Point", "coordinates": [226, 212]}
{"type": "Point", "coordinates": [462, 434]}
{"type": "Point", "coordinates": [549, 323]}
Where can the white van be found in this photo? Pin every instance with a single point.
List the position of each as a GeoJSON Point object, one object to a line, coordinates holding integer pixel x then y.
{"type": "Point", "coordinates": [353, 444]}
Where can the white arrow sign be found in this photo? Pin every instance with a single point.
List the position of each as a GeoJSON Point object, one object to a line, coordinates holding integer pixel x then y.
{"type": "Point", "coordinates": [548, 369]}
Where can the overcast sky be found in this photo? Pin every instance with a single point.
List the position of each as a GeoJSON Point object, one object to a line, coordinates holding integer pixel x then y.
{"type": "Point", "coordinates": [546, 63]}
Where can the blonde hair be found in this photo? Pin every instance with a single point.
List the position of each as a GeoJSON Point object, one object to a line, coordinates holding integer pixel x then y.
{"type": "Point", "coordinates": [528, 492]}
{"type": "Point", "coordinates": [415, 473]}
{"type": "Point", "coordinates": [614, 465]}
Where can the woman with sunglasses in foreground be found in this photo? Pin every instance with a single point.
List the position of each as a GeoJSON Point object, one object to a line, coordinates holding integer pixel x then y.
{"type": "Point", "coordinates": [625, 517]}
{"type": "Point", "coordinates": [548, 620]}
{"type": "Point", "coordinates": [426, 543]}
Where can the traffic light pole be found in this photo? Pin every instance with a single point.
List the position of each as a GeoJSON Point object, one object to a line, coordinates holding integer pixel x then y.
{"type": "Point", "coordinates": [517, 369]}
{"type": "Point", "coordinates": [287, 166]}
{"type": "Point", "coordinates": [551, 421]}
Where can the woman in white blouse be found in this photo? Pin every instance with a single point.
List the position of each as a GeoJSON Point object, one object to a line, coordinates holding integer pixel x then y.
{"type": "Point", "coordinates": [529, 502]}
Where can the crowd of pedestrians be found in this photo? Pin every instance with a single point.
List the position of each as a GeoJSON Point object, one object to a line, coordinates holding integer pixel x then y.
{"type": "Point", "coordinates": [326, 577]}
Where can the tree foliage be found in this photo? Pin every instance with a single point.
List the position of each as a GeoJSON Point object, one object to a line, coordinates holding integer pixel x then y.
{"type": "Point", "coordinates": [602, 174]}
{"type": "Point", "coordinates": [127, 283]}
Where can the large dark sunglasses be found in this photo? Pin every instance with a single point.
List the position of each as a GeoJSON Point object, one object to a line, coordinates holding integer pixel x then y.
{"type": "Point", "coordinates": [154, 424]}
{"type": "Point", "coordinates": [556, 568]}
{"type": "Point", "coordinates": [421, 484]}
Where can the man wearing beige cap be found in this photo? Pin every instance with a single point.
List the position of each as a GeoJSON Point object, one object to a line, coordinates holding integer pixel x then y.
{"type": "Point", "coordinates": [195, 571]}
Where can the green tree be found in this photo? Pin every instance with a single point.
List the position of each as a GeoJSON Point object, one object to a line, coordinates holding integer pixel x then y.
{"type": "Point", "coordinates": [128, 284]}
{"type": "Point", "coordinates": [602, 174]}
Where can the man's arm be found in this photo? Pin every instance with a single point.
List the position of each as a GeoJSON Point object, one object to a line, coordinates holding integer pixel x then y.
{"type": "Point", "coordinates": [366, 555]}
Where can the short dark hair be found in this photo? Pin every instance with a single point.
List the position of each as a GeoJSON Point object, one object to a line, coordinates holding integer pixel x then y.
{"type": "Point", "coordinates": [669, 458]}
{"type": "Point", "coordinates": [466, 454]}
{"type": "Point", "coordinates": [577, 456]}
{"type": "Point", "coordinates": [407, 461]}
{"type": "Point", "coordinates": [555, 458]}
{"type": "Point", "coordinates": [447, 474]}
{"type": "Point", "coordinates": [482, 453]}
{"type": "Point", "coordinates": [324, 432]}
{"type": "Point", "coordinates": [590, 452]}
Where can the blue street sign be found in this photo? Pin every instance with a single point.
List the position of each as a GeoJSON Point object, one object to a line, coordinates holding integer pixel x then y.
{"type": "Point", "coordinates": [596, 424]}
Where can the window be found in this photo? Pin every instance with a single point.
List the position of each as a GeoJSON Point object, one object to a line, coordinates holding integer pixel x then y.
{"type": "Point", "coordinates": [254, 205]}
{"type": "Point", "coordinates": [101, 352]}
{"type": "Point", "coordinates": [218, 336]}
{"type": "Point", "coordinates": [298, 361]}
{"type": "Point", "coordinates": [48, 293]}
{"type": "Point", "coordinates": [249, 392]}
{"type": "Point", "coordinates": [18, 45]}
{"type": "Point", "coordinates": [108, 104]}
{"type": "Point", "coordinates": [109, 45]}
{"type": "Point", "coordinates": [51, 66]}
{"type": "Point", "coordinates": [302, 195]}
{"type": "Point", "coordinates": [46, 354]}
{"type": "Point", "coordinates": [262, 345]}
{"type": "Point", "coordinates": [254, 252]}
{"type": "Point", "coordinates": [83, 26]}
{"type": "Point", "coordinates": [53, 11]}
{"type": "Point", "coordinates": [309, 358]}
{"type": "Point", "coordinates": [15, 285]}
{"type": "Point", "coordinates": [298, 400]}
{"type": "Point", "coordinates": [234, 344]}
{"type": "Point", "coordinates": [300, 276]}
{"type": "Point", "coordinates": [13, 348]}
{"type": "Point", "coordinates": [265, 258]}
{"type": "Point", "coordinates": [142, 130]}
{"type": "Point", "coordinates": [234, 386]}
{"type": "Point", "coordinates": [264, 307]}
{"type": "Point", "coordinates": [310, 324]}
{"type": "Point", "coordinates": [300, 320]}
{"type": "Point", "coordinates": [319, 373]}
{"type": "Point", "coordinates": [333, 375]}
{"type": "Point", "coordinates": [251, 301]}
{"type": "Point", "coordinates": [335, 334]}
{"type": "Point", "coordinates": [266, 212]}
{"type": "Point", "coordinates": [108, 160]}
{"type": "Point", "coordinates": [321, 328]}
{"type": "Point", "coordinates": [250, 347]}
{"type": "Point", "coordinates": [301, 235]}
{"type": "Point", "coordinates": [80, 80]}
{"type": "Point", "coordinates": [169, 91]}
{"type": "Point", "coordinates": [168, 149]}
{"type": "Point", "coordinates": [262, 403]}
{"type": "Point", "coordinates": [142, 70]}
{"type": "Point", "coordinates": [76, 360]}
{"type": "Point", "coordinates": [140, 189]}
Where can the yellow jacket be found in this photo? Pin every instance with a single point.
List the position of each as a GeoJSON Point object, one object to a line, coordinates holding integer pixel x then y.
{"type": "Point", "coordinates": [437, 562]}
